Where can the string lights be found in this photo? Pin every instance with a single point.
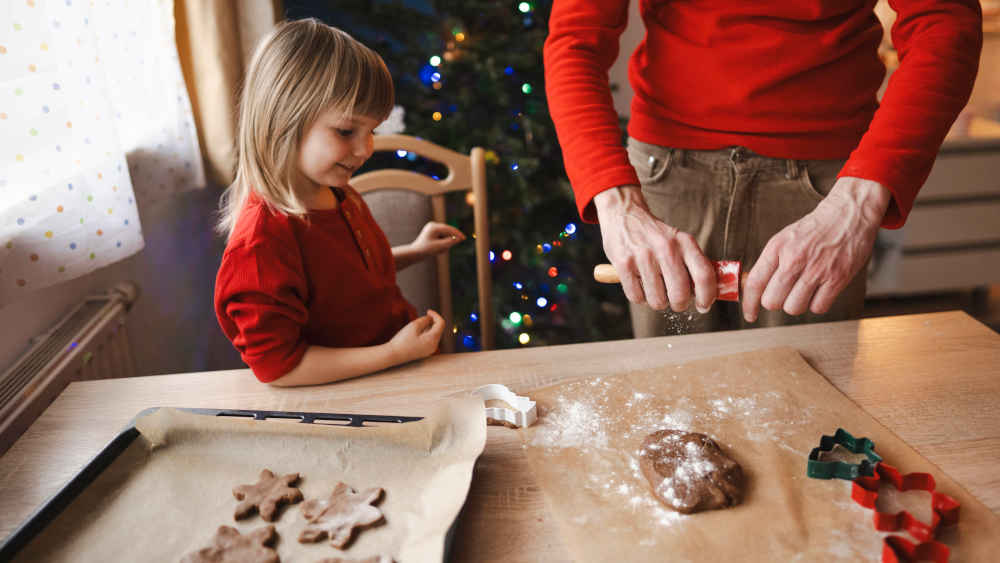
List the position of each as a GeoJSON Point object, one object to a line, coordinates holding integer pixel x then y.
{"type": "Point", "coordinates": [544, 292]}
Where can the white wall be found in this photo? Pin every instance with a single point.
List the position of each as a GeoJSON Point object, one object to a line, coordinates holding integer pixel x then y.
{"type": "Point", "coordinates": [618, 74]}
{"type": "Point", "coordinates": [172, 326]}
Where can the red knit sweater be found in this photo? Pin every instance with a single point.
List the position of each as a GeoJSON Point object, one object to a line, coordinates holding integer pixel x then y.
{"type": "Point", "coordinates": [285, 284]}
{"type": "Point", "coordinates": [786, 79]}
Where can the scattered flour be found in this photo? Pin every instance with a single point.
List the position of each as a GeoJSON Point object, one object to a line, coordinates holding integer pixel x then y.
{"type": "Point", "coordinates": [573, 424]}
{"type": "Point", "coordinates": [581, 417]}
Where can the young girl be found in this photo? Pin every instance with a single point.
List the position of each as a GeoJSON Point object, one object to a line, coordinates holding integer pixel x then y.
{"type": "Point", "coordinates": [307, 286]}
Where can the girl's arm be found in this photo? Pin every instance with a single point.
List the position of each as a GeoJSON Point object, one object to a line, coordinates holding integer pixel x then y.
{"type": "Point", "coordinates": [433, 239]}
{"type": "Point", "coordinates": [322, 364]}
{"type": "Point", "coordinates": [405, 255]}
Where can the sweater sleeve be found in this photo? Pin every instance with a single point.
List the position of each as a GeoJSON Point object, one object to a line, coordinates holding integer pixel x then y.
{"type": "Point", "coordinates": [938, 44]}
{"type": "Point", "coordinates": [260, 301]}
{"type": "Point", "coordinates": [581, 47]}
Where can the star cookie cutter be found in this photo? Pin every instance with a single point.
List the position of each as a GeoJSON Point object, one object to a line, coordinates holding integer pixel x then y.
{"type": "Point", "coordinates": [944, 508]}
{"type": "Point", "coordinates": [896, 549]}
{"type": "Point", "coordinates": [819, 469]}
{"type": "Point", "coordinates": [522, 414]}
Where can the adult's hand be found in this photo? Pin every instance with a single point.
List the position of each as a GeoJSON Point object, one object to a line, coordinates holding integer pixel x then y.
{"type": "Point", "coordinates": [808, 263]}
{"type": "Point", "coordinates": [656, 262]}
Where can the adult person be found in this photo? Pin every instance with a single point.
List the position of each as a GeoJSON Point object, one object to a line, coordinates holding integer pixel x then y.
{"type": "Point", "coordinates": [754, 135]}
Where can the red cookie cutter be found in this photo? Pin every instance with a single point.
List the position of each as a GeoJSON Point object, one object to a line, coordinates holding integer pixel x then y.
{"type": "Point", "coordinates": [896, 549]}
{"type": "Point", "coordinates": [945, 508]}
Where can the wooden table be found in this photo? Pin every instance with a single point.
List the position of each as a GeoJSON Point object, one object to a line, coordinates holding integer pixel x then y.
{"type": "Point", "coordinates": [932, 379]}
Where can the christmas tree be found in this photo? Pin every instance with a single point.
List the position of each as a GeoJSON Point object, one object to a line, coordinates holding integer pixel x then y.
{"type": "Point", "coordinates": [469, 73]}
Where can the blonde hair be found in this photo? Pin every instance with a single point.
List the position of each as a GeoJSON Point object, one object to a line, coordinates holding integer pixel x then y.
{"type": "Point", "coordinates": [299, 70]}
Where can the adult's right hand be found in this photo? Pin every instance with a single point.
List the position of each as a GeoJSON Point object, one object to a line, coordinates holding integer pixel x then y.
{"type": "Point", "coordinates": [656, 262]}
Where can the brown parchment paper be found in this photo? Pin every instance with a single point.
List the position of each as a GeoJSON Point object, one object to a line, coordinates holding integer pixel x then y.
{"type": "Point", "coordinates": [170, 491]}
{"type": "Point", "coordinates": [767, 409]}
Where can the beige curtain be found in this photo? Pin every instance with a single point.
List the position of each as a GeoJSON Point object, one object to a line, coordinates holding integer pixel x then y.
{"type": "Point", "coordinates": [215, 40]}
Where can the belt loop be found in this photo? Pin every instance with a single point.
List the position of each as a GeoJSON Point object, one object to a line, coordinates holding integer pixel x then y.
{"type": "Point", "coordinates": [792, 168]}
{"type": "Point", "coordinates": [737, 154]}
{"type": "Point", "coordinates": [680, 157]}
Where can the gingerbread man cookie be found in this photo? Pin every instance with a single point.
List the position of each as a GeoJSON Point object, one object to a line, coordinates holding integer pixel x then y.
{"type": "Point", "coordinates": [266, 495]}
{"type": "Point", "coordinates": [338, 515]}
{"type": "Point", "coordinates": [230, 547]}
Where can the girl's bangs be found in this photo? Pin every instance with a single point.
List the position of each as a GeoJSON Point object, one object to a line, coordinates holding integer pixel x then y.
{"type": "Point", "coordinates": [375, 94]}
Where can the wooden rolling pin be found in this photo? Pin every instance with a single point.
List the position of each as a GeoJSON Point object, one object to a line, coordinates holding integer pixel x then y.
{"type": "Point", "coordinates": [727, 272]}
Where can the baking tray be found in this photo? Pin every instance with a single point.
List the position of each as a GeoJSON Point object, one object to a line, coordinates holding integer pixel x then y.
{"type": "Point", "coordinates": [58, 502]}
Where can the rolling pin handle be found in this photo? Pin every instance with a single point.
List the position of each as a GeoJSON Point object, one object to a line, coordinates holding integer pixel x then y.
{"type": "Point", "coordinates": [606, 273]}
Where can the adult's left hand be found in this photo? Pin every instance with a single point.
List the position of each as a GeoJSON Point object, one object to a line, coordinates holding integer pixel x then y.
{"type": "Point", "coordinates": [808, 263]}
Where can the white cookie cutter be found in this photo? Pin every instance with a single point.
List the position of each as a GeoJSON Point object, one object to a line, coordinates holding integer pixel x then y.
{"type": "Point", "coordinates": [523, 414]}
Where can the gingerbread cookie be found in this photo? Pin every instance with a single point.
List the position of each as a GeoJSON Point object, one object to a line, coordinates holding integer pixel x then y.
{"type": "Point", "coordinates": [230, 547]}
{"type": "Point", "coordinates": [338, 515]}
{"type": "Point", "coordinates": [688, 471]}
{"type": "Point", "coordinates": [372, 559]}
{"type": "Point", "coordinates": [266, 495]}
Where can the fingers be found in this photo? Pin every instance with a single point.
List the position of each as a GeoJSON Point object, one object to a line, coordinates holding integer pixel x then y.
{"type": "Point", "coordinates": [440, 245]}
{"type": "Point", "coordinates": [791, 284]}
{"type": "Point", "coordinates": [437, 318]}
{"type": "Point", "coordinates": [757, 280]}
{"type": "Point", "coordinates": [800, 296]}
{"type": "Point", "coordinates": [780, 284]}
{"type": "Point", "coordinates": [630, 281]}
{"type": "Point", "coordinates": [434, 329]}
{"type": "Point", "coordinates": [438, 237]}
{"type": "Point", "coordinates": [660, 277]}
{"type": "Point", "coordinates": [676, 277]}
{"type": "Point", "coordinates": [652, 281]}
{"type": "Point", "coordinates": [441, 230]}
{"type": "Point", "coordinates": [824, 298]}
{"type": "Point", "coordinates": [432, 336]}
{"type": "Point", "coordinates": [423, 323]}
{"type": "Point", "coordinates": [702, 273]}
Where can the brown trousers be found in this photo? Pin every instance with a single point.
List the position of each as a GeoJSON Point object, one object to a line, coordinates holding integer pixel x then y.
{"type": "Point", "coordinates": [732, 200]}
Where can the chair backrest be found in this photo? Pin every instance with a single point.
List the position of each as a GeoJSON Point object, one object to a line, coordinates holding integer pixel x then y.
{"type": "Point", "coordinates": [465, 173]}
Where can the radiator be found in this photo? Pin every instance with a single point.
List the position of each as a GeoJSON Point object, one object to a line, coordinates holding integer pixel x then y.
{"type": "Point", "coordinates": [90, 342]}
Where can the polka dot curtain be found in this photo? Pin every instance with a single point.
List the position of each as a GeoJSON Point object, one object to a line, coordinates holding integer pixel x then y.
{"type": "Point", "coordinates": [93, 116]}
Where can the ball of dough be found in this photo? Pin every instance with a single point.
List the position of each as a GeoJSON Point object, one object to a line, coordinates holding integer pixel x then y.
{"type": "Point", "coordinates": [688, 471]}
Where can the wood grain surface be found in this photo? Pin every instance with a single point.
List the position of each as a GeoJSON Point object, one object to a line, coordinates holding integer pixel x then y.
{"type": "Point", "coordinates": [934, 380]}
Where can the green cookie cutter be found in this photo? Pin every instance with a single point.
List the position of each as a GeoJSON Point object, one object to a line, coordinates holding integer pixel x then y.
{"type": "Point", "coordinates": [819, 469]}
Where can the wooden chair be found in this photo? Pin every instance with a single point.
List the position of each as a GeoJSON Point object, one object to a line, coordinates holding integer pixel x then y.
{"type": "Point", "coordinates": [465, 173]}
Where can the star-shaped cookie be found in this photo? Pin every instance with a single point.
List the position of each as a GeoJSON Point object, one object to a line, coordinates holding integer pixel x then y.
{"type": "Point", "coordinates": [266, 495]}
{"type": "Point", "coordinates": [338, 515]}
{"type": "Point", "coordinates": [230, 547]}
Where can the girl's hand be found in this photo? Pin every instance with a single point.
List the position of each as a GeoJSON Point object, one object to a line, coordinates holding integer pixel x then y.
{"type": "Point", "coordinates": [419, 338]}
{"type": "Point", "coordinates": [436, 238]}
